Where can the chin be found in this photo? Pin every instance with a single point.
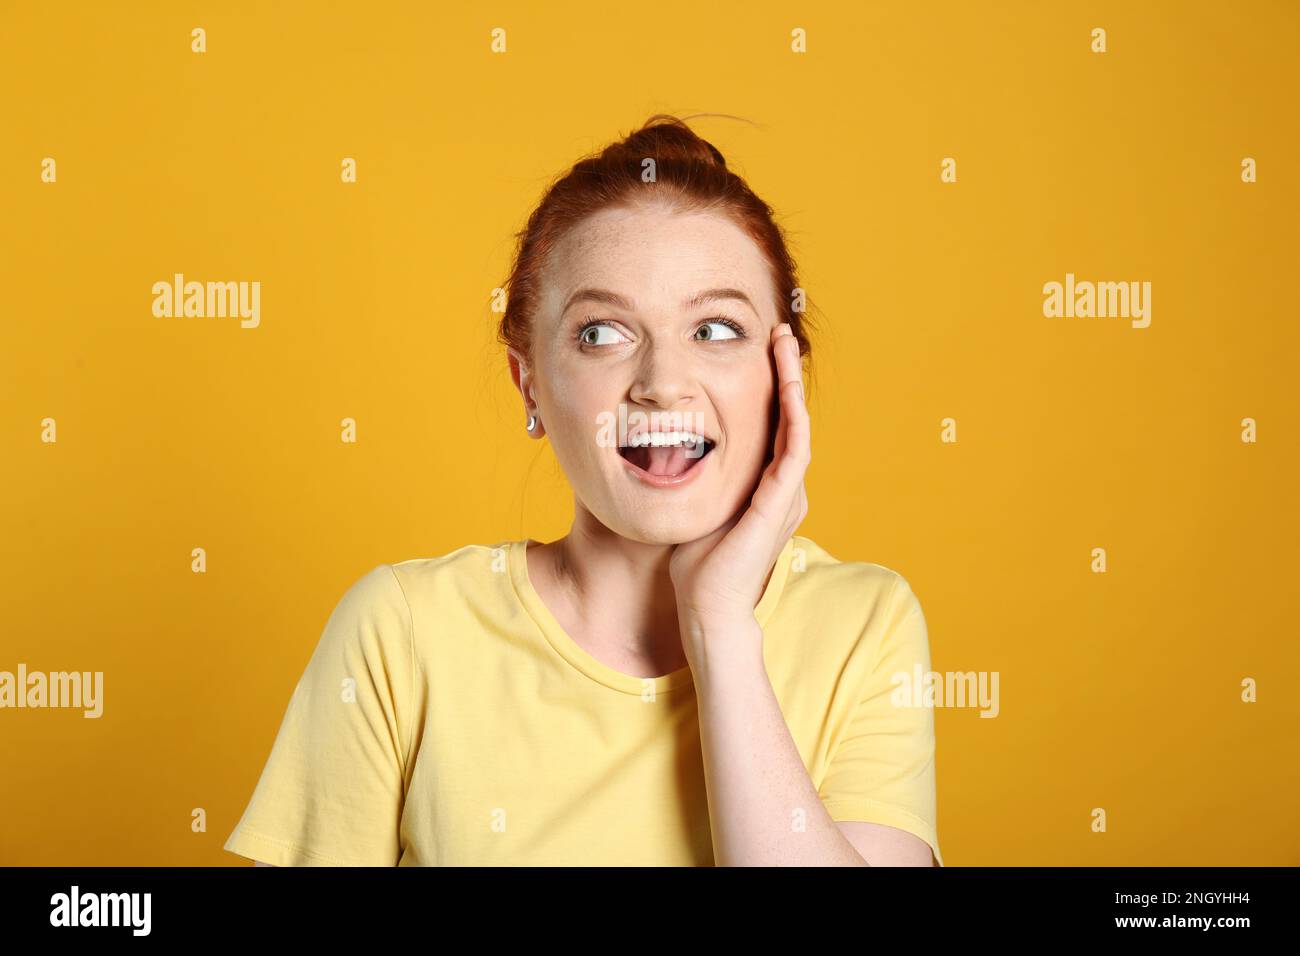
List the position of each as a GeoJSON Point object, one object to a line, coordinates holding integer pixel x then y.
{"type": "Point", "coordinates": [667, 525]}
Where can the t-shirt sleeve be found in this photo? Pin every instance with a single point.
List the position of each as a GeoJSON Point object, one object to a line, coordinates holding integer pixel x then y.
{"type": "Point", "coordinates": [332, 791]}
{"type": "Point", "coordinates": [882, 770]}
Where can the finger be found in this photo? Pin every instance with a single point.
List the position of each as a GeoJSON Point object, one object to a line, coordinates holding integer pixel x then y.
{"type": "Point", "coordinates": [787, 354]}
{"type": "Point", "coordinates": [779, 358]}
{"type": "Point", "coordinates": [784, 473]}
{"type": "Point", "coordinates": [776, 494]}
{"type": "Point", "coordinates": [795, 429]}
{"type": "Point", "coordinates": [797, 453]}
{"type": "Point", "coordinates": [785, 349]}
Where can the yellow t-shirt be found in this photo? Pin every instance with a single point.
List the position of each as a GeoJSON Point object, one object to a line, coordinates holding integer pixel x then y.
{"type": "Point", "coordinates": [445, 718]}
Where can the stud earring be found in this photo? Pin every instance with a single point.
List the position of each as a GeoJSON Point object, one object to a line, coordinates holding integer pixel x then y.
{"type": "Point", "coordinates": [532, 422]}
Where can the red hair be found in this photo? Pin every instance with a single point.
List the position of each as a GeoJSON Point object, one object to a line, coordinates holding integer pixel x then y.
{"type": "Point", "coordinates": [690, 174]}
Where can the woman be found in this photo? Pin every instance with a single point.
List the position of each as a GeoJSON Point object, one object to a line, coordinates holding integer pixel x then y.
{"type": "Point", "coordinates": [680, 680]}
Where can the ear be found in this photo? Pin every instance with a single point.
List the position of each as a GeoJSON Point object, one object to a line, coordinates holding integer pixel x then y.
{"type": "Point", "coordinates": [522, 376]}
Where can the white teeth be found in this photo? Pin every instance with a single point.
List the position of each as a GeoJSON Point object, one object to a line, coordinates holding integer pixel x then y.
{"type": "Point", "coordinates": [664, 439]}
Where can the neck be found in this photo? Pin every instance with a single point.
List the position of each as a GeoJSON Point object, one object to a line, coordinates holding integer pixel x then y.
{"type": "Point", "coordinates": [614, 596]}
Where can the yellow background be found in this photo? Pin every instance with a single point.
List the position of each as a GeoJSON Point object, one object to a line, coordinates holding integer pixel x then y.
{"type": "Point", "coordinates": [1118, 690]}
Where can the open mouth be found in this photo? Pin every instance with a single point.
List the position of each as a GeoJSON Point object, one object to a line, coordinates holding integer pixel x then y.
{"type": "Point", "coordinates": [666, 454]}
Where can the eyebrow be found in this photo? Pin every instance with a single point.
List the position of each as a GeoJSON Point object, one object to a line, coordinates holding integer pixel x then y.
{"type": "Point", "coordinates": [606, 297]}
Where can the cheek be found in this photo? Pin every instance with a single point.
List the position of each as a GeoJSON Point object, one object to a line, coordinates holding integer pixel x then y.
{"type": "Point", "coordinates": [573, 405]}
{"type": "Point", "coordinates": [745, 407]}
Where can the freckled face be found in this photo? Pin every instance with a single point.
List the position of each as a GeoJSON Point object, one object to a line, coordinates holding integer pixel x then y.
{"type": "Point", "coordinates": [659, 348]}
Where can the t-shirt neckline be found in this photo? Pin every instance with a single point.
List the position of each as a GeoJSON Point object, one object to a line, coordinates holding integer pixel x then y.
{"type": "Point", "coordinates": [580, 659]}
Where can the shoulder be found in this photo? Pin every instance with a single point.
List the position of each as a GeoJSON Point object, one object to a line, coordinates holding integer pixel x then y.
{"type": "Point", "coordinates": [468, 558]}
{"type": "Point", "coordinates": [376, 591]}
{"type": "Point", "coordinates": [867, 612]}
{"type": "Point", "coordinates": [374, 621]}
{"type": "Point", "coordinates": [370, 615]}
{"type": "Point", "coordinates": [861, 589]}
{"type": "Point", "coordinates": [466, 569]}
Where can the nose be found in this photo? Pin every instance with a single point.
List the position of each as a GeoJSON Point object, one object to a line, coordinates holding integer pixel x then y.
{"type": "Point", "coordinates": [663, 377]}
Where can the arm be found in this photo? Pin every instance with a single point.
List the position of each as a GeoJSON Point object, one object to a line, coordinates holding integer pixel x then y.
{"type": "Point", "coordinates": [887, 846]}
{"type": "Point", "coordinates": [763, 807]}
{"type": "Point", "coordinates": [757, 784]}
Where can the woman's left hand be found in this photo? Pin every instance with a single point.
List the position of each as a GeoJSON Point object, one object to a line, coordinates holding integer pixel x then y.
{"type": "Point", "coordinates": [720, 578]}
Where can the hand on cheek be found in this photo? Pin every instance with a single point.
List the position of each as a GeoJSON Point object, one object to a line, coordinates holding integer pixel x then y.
{"type": "Point", "coordinates": [719, 578]}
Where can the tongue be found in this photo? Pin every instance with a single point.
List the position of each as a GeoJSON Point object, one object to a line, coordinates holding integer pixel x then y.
{"type": "Point", "coordinates": [665, 461]}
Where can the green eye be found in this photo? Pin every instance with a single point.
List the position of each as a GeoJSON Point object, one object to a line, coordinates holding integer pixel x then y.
{"type": "Point", "coordinates": [724, 330]}
{"type": "Point", "coordinates": [599, 334]}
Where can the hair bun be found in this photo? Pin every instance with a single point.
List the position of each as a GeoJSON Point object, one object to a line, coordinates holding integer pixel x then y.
{"type": "Point", "coordinates": [665, 136]}
{"type": "Point", "coordinates": [690, 175]}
